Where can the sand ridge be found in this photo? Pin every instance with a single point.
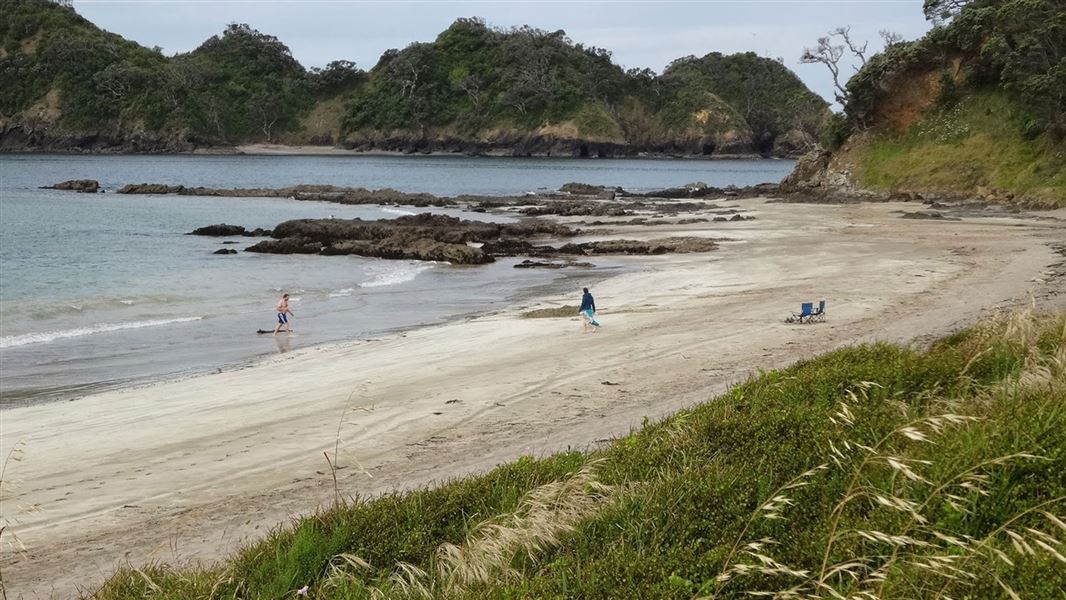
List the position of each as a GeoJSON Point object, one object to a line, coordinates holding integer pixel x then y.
{"type": "Point", "coordinates": [188, 470]}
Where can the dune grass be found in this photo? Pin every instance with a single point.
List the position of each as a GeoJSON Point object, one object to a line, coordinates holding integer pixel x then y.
{"type": "Point", "coordinates": [977, 143]}
{"type": "Point", "coordinates": [878, 470]}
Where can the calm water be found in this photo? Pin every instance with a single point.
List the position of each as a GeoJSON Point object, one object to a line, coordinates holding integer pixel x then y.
{"type": "Point", "coordinates": [102, 290]}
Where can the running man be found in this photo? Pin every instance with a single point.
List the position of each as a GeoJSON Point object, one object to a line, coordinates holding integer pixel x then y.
{"type": "Point", "coordinates": [283, 314]}
{"type": "Point", "coordinates": [588, 310]}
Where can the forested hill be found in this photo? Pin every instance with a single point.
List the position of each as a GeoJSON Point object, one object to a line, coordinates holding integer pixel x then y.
{"type": "Point", "coordinates": [69, 85]}
{"type": "Point", "coordinates": [976, 108]}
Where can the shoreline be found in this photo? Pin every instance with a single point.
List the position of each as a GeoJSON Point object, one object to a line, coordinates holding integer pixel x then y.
{"type": "Point", "coordinates": [263, 149]}
{"type": "Point", "coordinates": [157, 473]}
{"type": "Point", "coordinates": [59, 395]}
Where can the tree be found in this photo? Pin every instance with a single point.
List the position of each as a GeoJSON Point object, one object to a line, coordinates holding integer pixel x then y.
{"type": "Point", "coordinates": [940, 11]}
{"type": "Point", "coordinates": [859, 51]}
{"type": "Point", "coordinates": [890, 38]}
{"type": "Point", "coordinates": [339, 75]}
{"type": "Point", "coordinates": [828, 54]}
{"type": "Point", "coordinates": [471, 85]}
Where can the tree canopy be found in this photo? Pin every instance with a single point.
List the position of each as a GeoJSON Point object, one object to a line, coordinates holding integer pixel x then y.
{"type": "Point", "coordinates": [245, 85]}
{"type": "Point", "coordinates": [1014, 46]}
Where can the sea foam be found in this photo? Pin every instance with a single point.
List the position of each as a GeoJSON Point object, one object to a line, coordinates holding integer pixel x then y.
{"type": "Point", "coordinates": [393, 274]}
{"type": "Point", "coordinates": [12, 341]}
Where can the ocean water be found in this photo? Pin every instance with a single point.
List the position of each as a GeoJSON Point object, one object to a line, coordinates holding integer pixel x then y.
{"type": "Point", "coordinates": [104, 290]}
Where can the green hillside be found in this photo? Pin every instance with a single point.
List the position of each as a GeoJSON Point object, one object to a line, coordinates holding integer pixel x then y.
{"type": "Point", "coordinates": [70, 85]}
{"type": "Point", "coordinates": [976, 107]}
{"type": "Point", "coordinates": [65, 76]}
{"type": "Point", "coordinates": [768, 96]}
{"type": "Point", "coordinates": [477, 82]}
{"type": "Point", "coordinates": [875, 471]}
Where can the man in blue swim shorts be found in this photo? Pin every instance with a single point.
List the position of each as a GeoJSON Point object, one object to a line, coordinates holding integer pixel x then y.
{"type": "Point", "coordinates": [283, 314]}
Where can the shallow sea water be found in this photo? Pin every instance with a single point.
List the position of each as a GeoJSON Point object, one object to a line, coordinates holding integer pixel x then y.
{"type": "Point", "coordinates": [102, 290]}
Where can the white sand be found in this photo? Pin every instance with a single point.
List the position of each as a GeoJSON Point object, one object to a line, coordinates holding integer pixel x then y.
{"type": "Point", "coordinates": [187, 470]}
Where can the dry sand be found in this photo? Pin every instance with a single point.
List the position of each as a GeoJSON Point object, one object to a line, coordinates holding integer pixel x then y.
{"type": "Point", "coordinates": [187, 470]}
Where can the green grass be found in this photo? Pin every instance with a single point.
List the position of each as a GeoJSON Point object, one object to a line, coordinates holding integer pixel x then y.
{"type": "Point", "coordinates": [977, 143]}
{"type": "Point", "coordinates": [665, 511]}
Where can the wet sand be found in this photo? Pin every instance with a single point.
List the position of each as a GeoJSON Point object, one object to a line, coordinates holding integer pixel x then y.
{"type": "Point", "coordinates": [189, 470]}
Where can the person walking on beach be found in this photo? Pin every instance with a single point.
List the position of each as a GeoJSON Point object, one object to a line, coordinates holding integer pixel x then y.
{"type": "Point", "coordinates": [283, 314]}
{"type": "Point", "coordinates": [588, 311]}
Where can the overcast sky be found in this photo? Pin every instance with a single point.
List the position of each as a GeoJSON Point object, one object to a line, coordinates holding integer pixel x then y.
{"type": "Point", "coordinates": [640, 34]}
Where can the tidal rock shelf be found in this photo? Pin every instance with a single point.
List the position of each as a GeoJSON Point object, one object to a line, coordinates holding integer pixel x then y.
{"type": "Point", "coordinates": [419, 237]}
{"type": "Point", "coordinates": [446, 239]}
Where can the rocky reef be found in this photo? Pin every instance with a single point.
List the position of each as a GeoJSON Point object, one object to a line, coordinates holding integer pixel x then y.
{"type": "Point", "coordinates": [419, 237]}
{"type": "Point", "coordinates": [85, 186]}
{"type": "Point", "coordinates": [446, 239]}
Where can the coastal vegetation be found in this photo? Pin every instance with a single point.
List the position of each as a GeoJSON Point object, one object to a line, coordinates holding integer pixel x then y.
{"type": "Point", "coordinates": [981, 139]}
{"type": "Point", "coordinates": [874, 471]}
{"type": "Point", "coordinates": [71, 85]}
{"type": "Point", "coordinates": [977, 106]}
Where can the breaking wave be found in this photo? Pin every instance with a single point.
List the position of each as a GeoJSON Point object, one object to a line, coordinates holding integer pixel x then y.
{"type": "Point", "coordinates": [43, 337]}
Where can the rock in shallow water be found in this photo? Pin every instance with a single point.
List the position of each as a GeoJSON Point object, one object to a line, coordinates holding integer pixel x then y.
{"type": "Point", "coordinates": [85, 186]}
{"type": "Point", "coordinates": [224, 230]}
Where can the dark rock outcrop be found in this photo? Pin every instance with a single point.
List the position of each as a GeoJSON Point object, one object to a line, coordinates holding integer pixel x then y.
{"type": "Point", "coordinates": [85, 186]}
{"type": "Point", "coordinates": [28, 136]}
{"type": "Point", "coordinates": [808, 174]}
{"type": "Point", "coordinates": [420, 237]}
{"type": "Point", "coordinates": [678, 245]}
{"type": "Point", "coordinates": [224, 230]}
{"type": "Point", "coordinates": [535, 144]}
{"type": "Point", "coordinates": [583, 189]}
{"type": "Point", "coordinates": [445, 238]}
{"type": "Point", "coordinates": [225, 251]}
{"type": "Point", "coordinates": [509, 247]}
{"type": "Point", "coordinates": [930, 215]}
{"type": "Point", "coordinates": [289, 245]}
{"type": "Point", "coordinates": [150, 188]}
{"type": "Point", "coordinates": [576, 209]}
{"type": "Point", "coordinates": [220, 230]}
{"type": "Point", "coordinates": [547, 264]}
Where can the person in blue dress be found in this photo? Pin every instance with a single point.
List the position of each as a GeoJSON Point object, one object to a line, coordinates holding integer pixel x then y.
{"type": "Point", "coordinates": [588, 311]}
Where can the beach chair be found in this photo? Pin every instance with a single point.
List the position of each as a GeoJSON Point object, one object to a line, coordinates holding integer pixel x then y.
{"type": "Point", "coordinates": [806, 310]}
{"type": "Point", "coordinates": [819, 314]}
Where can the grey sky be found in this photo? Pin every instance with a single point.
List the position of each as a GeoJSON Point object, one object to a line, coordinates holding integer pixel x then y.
{"type": "Point", "coordinates": [640, 34]}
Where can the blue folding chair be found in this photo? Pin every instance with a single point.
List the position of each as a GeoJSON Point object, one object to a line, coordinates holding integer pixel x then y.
{"type": "Point", "coordinates": [818, 315]}
{"type": "Point", "coordinates": [806, 310]}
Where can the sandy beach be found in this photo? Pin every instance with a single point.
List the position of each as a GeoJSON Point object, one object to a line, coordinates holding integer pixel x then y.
{"type": "Point", "coordinates": [188, 470]}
